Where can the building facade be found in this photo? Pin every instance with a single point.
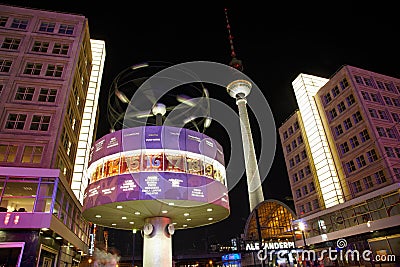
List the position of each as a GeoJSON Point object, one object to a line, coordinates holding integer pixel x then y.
{"type": "Point", "coordinates": [50, 73]}
{"type": "Point", "coordinates": [342, 154]}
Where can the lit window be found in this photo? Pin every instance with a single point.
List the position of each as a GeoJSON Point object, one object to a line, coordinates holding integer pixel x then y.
{"type": "Point", "coordinates": [354, 142]}
{"type": "Point", "coordinates": [361, 161]}
{"type": "Point", "coordinates": [380, 177]}
{"type": "Point", "coordinates": [335, 91]}
{"type": "Point", "coordinates": [32, 154]}
{"type": "Point", "coordinates": [347, 123]}
{"type": "Point", "coordinates": [344, 148]}
{"type": "Point", "coordinates": [8, 153]}
{"type": "Point", "coordinates": [371, 155]}
{"type": "Point", "coordinates": [357, 117]}
{"type": "Point", "coordinates": [350, 100]}
{"type": "Point", "coordinates": [341, 107]}
{"type": "Point", "coordinates": [364, 136]}
{"type": "Point", "coordinates": [350, 166]}
{"type": "Point", "coordinates": [368, 182]}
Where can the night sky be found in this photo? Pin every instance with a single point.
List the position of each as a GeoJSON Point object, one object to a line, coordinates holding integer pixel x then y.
{"type": "Point", "coordinates": [276, 43]}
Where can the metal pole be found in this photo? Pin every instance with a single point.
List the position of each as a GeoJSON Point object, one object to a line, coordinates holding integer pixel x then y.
{"type": "Point", "coordinates": [133, 246]}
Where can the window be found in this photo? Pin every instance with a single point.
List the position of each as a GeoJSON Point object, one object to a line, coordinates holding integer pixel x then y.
{"type": "Point", "coordinates": [19, 24]}
{"type": "Point", "coordinates": [381, 131]}
{"type": "Point", "coordinates": [11, 43]}
{"type": "Point", "coordinates": [40, 123]}
{"type": "Point", "coordinates": [16, 121]}
{"type": "Point", "coordinates": [350, 166]}
{"type": "Point", "coordinates": [24, 93]}
{"type": "Point", "coordinates": [347, 123]}
{"type": "Point", "coordinates": [308, 207]}
{"type": "Point", "coordinates": [335, 91]}
{"type": "Point", "coordinates": [32, 154]}
{"type": "Point", "coordinates": [364, 136]}
{"type": "Point", "coordinates": [344, 148]}
{"type": "Point", "coordinates": [39, 46]}
{"type": "Point", "coordinates": [291, 162]}
{"type": "Point", "coordinates": [297, 158]}
{"type": "Point", "coordinates": [389, 152]}
{"type": "Point", "coordinates": [350, 100]}
{"type": "Point", "coordinates": [294, 144]}
{"type": "Point", "coordinates": [299, 139]}
{"type": "Point", "coordinates": [66, 29]}
{"type": "Point", "coordinates": [327, 98]}
{"type": "Point", "coordinates": [295, 178]}
{"type": "Point", "coordinates": [290, 130]}
{"type": "Point", "coordinates": [368, 182]}
{"type": "Point", "coordinates": [332, 113]}
{"type": "Point", "coordinates": [341, 107]}
{"type": "Point", "coordinates": [312, 187]}
{"type": "Point", "coordinates": [47, 95]}
{"type": "Point", "coordinates": [361, 161]}
{"type": "Point", "coordinates": [357, 117]}
{"type": "Point", "coordinates": [298, 193]}
{"type": "Point", "coordinates": [390, 87]}
{"type": "Point", "coordinates": [285, 135]}
{"type": "Point", "coordinates": [388, 100]}
{"type": "Point", "coordinates": [365, 95]}
{"type": "Point", "coordinates": [60, 49]}
{"type": "Point", "coordinates": [357, 186]}
{"type": "Point", "coordinates": [397, 150]}
{"type": "Point", "coordinates": [396, 117]}
{"type": "Point", "coordinates": [396, 102]}
{"type": "Point", "coordinates": [375, 98]}
{"type": "Point", "coordinates": [373, 113]}
{"type": "Point", "coordinates": [301, 174]}
{"type": "Point", "coordinates": [338, 130]}
{"type": "Point", "coordinates": [296, 125]}
{"type": "Point", "coordinates": [315, 204]}
{"type": "Point", "coordinates": [54, 70]}
{"type": "Point", "coordinates": [47, 27]}
{"type": "Point", "coordinates": [5, 65]}
{"type": "Point", "coordinates": [369, 82]}
{"type": "Point", "coordinates": [397, 173]}
{"type": "Point", "coordinates": [3, 21]}
{"type": "Point", "coordinates": [354, 142]}
{"type": "Point", "coordinates": [33, 68]}
{"type": "Point", "coordinates": [358, 79]}
{"type": "Point", "coordinates": [380, 85]}
{"type": "Point", "coordinates": [380, 177]}
{"type": "Point", "coordinates": [383, 115]}
{"type": "Point", "coordinates": [303, 154]}
{"type": "Point", "coordinates": [305, 190]}
{"type": "Point", "coordinates": [288, 148]}
{"type": "Point", "coordinates": [371, 155]}
{"type": "Point", "coordinates": [391, 133]}
{"type": "Point", "coordinates": [7, 153]}
{"type": "Point", "coordinates": [307, 170]}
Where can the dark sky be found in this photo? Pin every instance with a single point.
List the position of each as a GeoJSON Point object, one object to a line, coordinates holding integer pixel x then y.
{"type": "Point", "coordinates": [276, 42]}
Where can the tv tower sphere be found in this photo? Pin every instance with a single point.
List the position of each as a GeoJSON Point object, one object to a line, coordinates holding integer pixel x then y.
{"type": "Point", "coordinates": [239, 88]}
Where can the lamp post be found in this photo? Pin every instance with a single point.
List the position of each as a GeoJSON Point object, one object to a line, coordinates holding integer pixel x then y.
{"type": "Point", "coordinates": [302, 227]}
{"type": "Point", "coordinates": [133, 246]}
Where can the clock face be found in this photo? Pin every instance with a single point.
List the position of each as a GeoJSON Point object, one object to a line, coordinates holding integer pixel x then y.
{"type": "Point", "coordinates": [148, 229]}
{"type": "Point", "coordinates": [171, 229]}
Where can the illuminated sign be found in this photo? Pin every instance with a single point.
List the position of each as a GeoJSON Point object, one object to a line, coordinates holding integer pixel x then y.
{"type": "Point", "coordinates": [231, 257]}
{"type": "Point", "coordinates": [270, 245]}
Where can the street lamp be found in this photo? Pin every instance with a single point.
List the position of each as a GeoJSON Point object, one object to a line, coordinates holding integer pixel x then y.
{"type": "Point", "coordinates": [302, 227]}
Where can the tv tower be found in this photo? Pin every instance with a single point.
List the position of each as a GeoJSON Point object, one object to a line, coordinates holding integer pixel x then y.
{"type": "Point", "coordinates": [239, 89]}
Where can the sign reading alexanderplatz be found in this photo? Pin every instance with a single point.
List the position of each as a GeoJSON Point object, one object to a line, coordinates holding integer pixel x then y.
{"type": "Point", "coordinates": [131, 168]}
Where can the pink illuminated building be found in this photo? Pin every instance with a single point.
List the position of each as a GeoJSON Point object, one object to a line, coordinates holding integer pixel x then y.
{"type": "Point", "coordinates": [342, 153]}
{"type": "Point", "coordinates": [50, 73]}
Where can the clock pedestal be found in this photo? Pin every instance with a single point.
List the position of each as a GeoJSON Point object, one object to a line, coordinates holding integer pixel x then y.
{"type": "Point", "coordinates": [157, 243]}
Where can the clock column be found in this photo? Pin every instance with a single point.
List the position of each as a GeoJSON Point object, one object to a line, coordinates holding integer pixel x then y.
{"type": "Point", "coordinates": [156, 238]}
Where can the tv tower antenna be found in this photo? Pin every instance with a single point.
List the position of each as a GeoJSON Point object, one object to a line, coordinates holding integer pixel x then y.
{"type": "Point", "coordinates": [235, 63]}
{"type": "Point", "coordinates": [240, 89]}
